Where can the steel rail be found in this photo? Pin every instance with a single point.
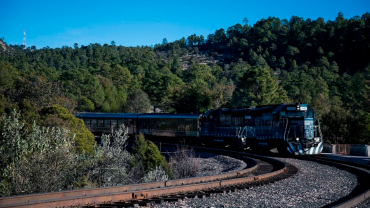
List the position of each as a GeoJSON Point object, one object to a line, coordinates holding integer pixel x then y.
{"type": "Point", "coordinates": [361, 192]}
{"type": "Point", "coordinates": [146, 190]}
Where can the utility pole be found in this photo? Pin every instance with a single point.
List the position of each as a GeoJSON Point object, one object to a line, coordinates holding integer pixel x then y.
{"type": "Point", "coordinates": [24, 39]}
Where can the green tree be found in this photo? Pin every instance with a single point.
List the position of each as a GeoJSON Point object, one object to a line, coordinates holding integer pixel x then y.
{"type": "Point", "coordinates": [156, 84]}
{"type": "Point", "coordinates": [336, 125]}
{"type": "Point", "coordinates": [8, 75]}
{"type": "Point", "coordinates": [195, 97]}
{"type": "Point", "coordinates": [292, 51]}
{"type": "Point", "coordinates": [85, 104]}
{"type": "Point", "coordinates": [258, 86]}
{"type": "Point", "coordinates": [57, 116]}
{"type": "Point", "coordinates": [146, 154]}
{"type": "Point", "coordinates": [176, 66]}
{"type": "Point", "coordinates": [361, 129]}
{"type": "Point", "coordinates": [137, 102]}
{"type": "Point", "coordinates": [282, 62]}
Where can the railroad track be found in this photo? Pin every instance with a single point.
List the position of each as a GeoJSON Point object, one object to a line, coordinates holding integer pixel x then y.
{"type": "Point", "coordinates": [362, 191]}
{"type": "Point", "coordinates": [260, 170]}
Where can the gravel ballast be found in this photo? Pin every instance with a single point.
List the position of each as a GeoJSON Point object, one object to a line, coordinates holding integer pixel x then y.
{"type": "Point", "coordinates": [314, 185]}
{"type": "Point", "coordinates": [218, 164]}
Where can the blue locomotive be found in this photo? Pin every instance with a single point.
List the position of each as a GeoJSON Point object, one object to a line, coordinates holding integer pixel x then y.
{"type": "Point", "coordinates": [290, 128]}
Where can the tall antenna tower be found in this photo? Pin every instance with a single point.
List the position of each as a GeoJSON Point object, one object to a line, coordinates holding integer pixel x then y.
{"type": "Point", "coordinates": [24, 38]}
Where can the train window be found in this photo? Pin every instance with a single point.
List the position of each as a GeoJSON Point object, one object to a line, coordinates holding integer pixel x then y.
{"type": "Point", "coordinates": [120, 122]}
{"type": "Point", "coordinates": [297, 113]}
{"type": "Point", "coordinates": [126, 122]}
{"type": "Point", "coordinates": [87, 122]}
{"type": "Point", "coordinates": [100, 123]}
{"type": "Point", "coordinates": [93, 122]}
{"type": "Point", "coordinates": [107, 123]}
{"type": "Point", "coordinates": [113, 123]}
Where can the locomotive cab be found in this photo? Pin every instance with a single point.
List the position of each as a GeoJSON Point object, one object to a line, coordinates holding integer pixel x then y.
{"type": "Point", "coordinates": [302, 133]}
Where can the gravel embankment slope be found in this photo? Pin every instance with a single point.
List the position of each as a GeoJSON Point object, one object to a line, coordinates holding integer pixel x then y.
{"type": "Point", "coordinates": [315, 185]}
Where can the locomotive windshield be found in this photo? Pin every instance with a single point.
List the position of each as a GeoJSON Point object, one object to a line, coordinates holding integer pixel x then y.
{"type": "Point", "coordinates": [296, 113]}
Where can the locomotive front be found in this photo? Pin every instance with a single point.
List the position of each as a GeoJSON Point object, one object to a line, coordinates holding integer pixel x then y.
{"type": "Point", "coordinates": [302, 133]}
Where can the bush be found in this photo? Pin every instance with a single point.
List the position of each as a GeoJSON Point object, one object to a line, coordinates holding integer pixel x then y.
{"type": "Point", "coordinates": [184, 163]}
{"type": "Point", "coordinates": [32, 160]}
{"type": "Point", "coordinates": [158, 174]}
{"type": "Point", "coordinates": [111, 160]}
{"type": "Point", "coordinates": [147, 157]}
{"type": "Point", "coordinates": [57, 115]}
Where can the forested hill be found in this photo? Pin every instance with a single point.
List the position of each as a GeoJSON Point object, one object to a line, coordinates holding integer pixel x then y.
{"type": "Point", "coordinates": [326, 64]}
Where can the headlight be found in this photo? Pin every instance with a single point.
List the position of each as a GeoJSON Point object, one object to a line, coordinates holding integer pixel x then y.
{"type": "Point", "coordinates": [297, 139]}
{"type": "Point", "coordinates": [317, 139]}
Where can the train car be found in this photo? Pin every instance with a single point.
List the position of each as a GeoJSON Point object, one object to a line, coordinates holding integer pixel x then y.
{"type": "Point", "coordinates": [224, 127]}
{"type": "Point", "coordinates": [167, 125]}
{"type": "Point", "coordinates": [103, 123]}
{"type": "Point", "coordinates": [291, 128]}
{"type": "Point", "coordinates": [163, 125]}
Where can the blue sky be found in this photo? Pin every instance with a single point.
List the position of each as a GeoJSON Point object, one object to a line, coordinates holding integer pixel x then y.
{"type": "Point", "coordinates": [56, 23]}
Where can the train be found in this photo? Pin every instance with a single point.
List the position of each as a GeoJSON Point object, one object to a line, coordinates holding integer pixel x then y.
{"type": "Point", "coordinates": [288, 128]}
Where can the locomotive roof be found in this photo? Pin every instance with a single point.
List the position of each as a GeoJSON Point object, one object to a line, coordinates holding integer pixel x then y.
{"type": "Point", "coordinates": [275, 108]}
{"type": "Point", "coordinates": [136, 115]}
{"type": "Point", "coordinates": [107, 115]}
{"type": "Point", "coordinates": [169, 115]}
{"type": "Point", "coordinates": [266, 108]}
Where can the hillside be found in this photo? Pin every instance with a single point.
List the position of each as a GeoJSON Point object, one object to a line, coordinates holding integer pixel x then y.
{"type": "Point", "coordinates": [276, 60]}
{"type": "Point", "coordinates": [3, 45]}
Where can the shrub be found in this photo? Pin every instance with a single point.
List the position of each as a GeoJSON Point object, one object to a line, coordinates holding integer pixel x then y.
{"type": "Point", "coordinates": [32, 160]}
{"type": "Point", "coordinates": [158, 174]}
{"type": "Point", "coordinates": [111, 160]}
{"type": "Point", "coordinates": [184, 163]}
{"type": "Point", "coordinates": [147, 156]}
{"type": "Point", "coordinates": [57, 115]}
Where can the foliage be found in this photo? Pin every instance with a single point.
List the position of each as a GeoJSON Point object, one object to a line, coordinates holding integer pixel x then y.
{"type": "Point", "coordinates": [43, 159]}
{"type": "Point", "coordinates": [258, 86]}
{"type": "Point", "coordinates": [8, 75]}
{"type": "Point", "coordinates": [32, 160]}
{"type": "Point", "coordinates": [85, 104]}
{"type": "Point", "coordinates": [56, 115]}
{"type": "Point", "coordinates": [158, 174]}
{"type": "Point", "coordinates": [324, 63]}
{"type": "Point", "coordinates": [110, 163]}
{"type": "Point", "coordinates": [146, 154]}
{"type": "Point", "coordinates": [184, 163]}
{"type": "Point", "coordinates": [337, 125]}
{"type": "Point", "coordinates": [138, 102]}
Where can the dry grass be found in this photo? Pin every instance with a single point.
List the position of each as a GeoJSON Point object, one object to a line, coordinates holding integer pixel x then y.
{"type": "Point", "coordinates": [184, 162]}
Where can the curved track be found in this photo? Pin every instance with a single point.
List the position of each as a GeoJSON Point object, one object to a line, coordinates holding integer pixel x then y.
{"type": "Point", "coordinates": [362, 191]}
{"type": "Point", "coordinates": [260, 169]}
